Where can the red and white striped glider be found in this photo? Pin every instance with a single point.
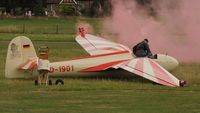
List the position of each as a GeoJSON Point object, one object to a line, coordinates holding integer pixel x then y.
{"type": "Point", "coordinates": [144, 67]}
{"type": "Point", "coordinates": [104, 54]}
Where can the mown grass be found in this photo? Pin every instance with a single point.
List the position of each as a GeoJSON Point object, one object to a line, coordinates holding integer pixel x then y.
{"type": "Point", "coordinates": [189, 72]}
{"type": "Point", "coordinates": [91, 95]}
{"type": "Point", "coordinates": [40, 37]}
{"type": "Point", "coordinates": [111, 91]}
{"type": "Point", "coordinates": [46, 26]}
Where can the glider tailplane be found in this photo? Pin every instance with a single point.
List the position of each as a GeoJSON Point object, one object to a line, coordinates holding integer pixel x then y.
{"type": "Point", "coordinates": [149, 69]}
{"type": "Point", "coordinates": [21, 56]}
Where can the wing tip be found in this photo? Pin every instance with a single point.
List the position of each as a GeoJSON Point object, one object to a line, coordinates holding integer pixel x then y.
{"type": "Point", "coordinates": [182, 83]}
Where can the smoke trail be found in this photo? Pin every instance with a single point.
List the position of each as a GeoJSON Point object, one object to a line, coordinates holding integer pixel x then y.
{"type": "Point", "coordinates": [87, 27]}
{"type": "Point", "coordinates": [174, 29]}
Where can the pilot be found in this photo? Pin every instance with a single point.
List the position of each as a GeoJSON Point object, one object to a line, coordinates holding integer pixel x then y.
{"type": "Point", "coordinates": [43, 65]}
{"type": "Point", "coordinates": [43, 69]}
{"type": "Point", "coordinates": [142, 49]}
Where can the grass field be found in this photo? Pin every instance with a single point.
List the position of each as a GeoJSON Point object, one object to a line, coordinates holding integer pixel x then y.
{"type": "Point", "coordinates": [103, 92]}
{"type": "Point", "coordinates": [46, 26]}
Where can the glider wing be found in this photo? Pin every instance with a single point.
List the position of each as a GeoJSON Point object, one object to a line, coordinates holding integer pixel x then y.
{"type": "Point", "coordinates": [95, 45]}
{"type": "Point", "coordinates": [149, 69]}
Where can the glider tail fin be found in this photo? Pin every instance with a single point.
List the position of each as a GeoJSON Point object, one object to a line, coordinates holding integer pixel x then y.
{"type": "Point", "coordinates": [20, 50]}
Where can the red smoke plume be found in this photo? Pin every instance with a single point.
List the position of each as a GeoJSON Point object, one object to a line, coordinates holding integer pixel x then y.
{"type": "Point", "coordinates": [174, 29]}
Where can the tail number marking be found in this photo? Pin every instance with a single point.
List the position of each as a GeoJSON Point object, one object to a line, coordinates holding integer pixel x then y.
{"type": "Point", "coordinates": [62, 69]}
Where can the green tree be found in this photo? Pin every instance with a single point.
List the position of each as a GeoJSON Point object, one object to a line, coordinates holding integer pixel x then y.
{"type": "Point", "coordinates": [38, 9]}
{"type": "Point", "coordinates": [10, 4]}
{"type": "Point", "coordinates": [66, 10]}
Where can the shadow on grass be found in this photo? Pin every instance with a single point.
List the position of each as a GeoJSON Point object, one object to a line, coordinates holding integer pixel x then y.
{"type": "Point", "coordinates": [109, 74]}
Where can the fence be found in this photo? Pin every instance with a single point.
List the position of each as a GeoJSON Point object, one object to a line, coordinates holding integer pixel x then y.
{"type": "Point", "coordinates": [39, 29]}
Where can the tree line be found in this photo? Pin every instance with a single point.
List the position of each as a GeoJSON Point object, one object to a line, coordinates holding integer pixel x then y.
{"type": "Point", "coordinates": [11, 6]}
{"type": "Point", "coordinates": [19, 7]}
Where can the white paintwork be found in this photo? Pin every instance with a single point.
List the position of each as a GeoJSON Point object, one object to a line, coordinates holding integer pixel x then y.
{"type": "Point", "coordinates": [17, 55]}
{"type": "Point", "coordinates": [44, 64]}
{"type": "Point", "coordinates": [148, 68]}
{"type": "Point", "coordinates": [167, 62]}
{"type": "Point", "coordinates": [151, 70]}
{"type": "Point", "coordinates": [80, 64]}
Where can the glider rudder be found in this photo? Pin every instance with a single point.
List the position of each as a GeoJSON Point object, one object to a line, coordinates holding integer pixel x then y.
{"type": "Point", "coordinates": [20, 51]}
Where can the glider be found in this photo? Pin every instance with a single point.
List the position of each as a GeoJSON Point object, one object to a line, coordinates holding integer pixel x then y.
{"type": "Point", "coordinates": [22, 61]}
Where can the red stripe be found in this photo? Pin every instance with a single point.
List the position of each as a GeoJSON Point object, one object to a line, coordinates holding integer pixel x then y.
{"type": "Point", "coordinates": [115, 53]}
{"type": "Point", "coordinates": [161, 75]}
{"type": "Point", "coordinates": [139, 67]}
{"type": "Point", "coordinates": [20, 67]}
{"type": "Point", "coordinates": [102, 67]}
{"type": "Point", "coordinates": [125, 64]}
{"type": "Point", "coordinates": [33, 64]}
{"type": "Point", "coordinates": [109, 48]}
{"type": "Point", "coordinates": [123, 47]}
{"type": "Point", "coordinates": [26, 47]}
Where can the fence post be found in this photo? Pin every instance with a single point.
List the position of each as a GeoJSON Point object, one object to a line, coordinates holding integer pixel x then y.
{"type": "Point", "coordinates": [57, 29]}
{"type": "Point", "coordinates": [23, 28]}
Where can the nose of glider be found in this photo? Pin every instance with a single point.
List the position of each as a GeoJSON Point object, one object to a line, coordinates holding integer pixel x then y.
{"type": "Point", "coordinates": [167, 62]}
{"type": "Point", "coordinates": [174, 63]}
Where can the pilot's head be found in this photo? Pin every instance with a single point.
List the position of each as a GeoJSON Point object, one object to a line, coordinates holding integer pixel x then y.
{"type": "Point", "coordinates": [146, 40]}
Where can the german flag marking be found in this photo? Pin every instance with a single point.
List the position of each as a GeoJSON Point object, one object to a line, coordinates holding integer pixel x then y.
{"type": "Point", "coordinates": [27, 46]}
